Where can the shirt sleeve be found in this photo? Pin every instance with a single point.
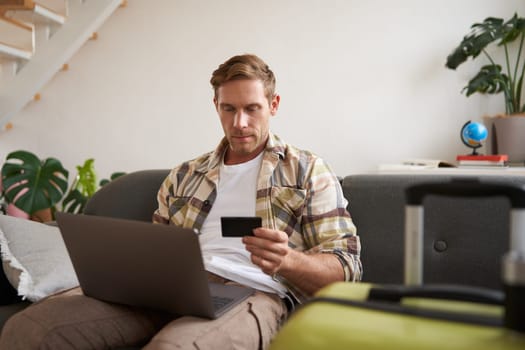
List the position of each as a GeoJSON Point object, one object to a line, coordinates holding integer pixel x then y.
{"type": "Point", "coordinates": [327, 225]}
{"type": "Point", "coordinates": [161, 214]}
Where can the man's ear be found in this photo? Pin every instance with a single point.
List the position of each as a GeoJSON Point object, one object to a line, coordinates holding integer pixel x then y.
{"type": "Point", "coordinates": [274, 106]}
{"type": "Point", "coordinates": [215, 103]}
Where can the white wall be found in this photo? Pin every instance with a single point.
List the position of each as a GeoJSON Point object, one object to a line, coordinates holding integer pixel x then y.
{"type": "Point", "coordinates": [361, 82]}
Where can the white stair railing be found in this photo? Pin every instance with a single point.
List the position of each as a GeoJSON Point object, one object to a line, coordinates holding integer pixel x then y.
{"type": "Point", "coordinates": [58, 28]}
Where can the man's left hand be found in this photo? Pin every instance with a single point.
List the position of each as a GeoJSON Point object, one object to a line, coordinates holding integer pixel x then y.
{"type": "Point", "coordinates": [269, 249]}
{"type": "Point", "coordinates": [309, 272]}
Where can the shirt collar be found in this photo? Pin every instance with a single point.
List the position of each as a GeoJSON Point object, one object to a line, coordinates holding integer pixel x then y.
{"type": "Point", "coordinates": [274, 146]}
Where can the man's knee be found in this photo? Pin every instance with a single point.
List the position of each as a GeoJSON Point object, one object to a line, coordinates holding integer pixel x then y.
{"type": "Point", "coordinates": [20, 332]}
{"type": "Point", "coordinates": [78, 322]}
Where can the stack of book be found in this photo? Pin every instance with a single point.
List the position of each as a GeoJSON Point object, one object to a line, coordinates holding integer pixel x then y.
{"type": "Point", "coordinates": [491, 160]}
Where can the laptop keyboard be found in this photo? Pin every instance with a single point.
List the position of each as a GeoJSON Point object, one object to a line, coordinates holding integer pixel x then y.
{"type": "Point", "coordinates": [220, 302]}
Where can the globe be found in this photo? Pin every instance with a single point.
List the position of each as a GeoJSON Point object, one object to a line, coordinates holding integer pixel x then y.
{"type": "Point", "coordinates": [473, 134]}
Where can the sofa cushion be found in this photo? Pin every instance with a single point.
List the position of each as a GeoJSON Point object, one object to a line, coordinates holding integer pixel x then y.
{"type": "Point", "coordinates": [34, 258]}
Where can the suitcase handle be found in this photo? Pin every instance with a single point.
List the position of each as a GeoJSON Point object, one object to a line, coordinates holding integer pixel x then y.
{"type": "Point", "coordinates": [394, 293]}
{"type": "Point", "coordinates": [469, 187]}
{"type": "Point", "coordinates": [391, 307]}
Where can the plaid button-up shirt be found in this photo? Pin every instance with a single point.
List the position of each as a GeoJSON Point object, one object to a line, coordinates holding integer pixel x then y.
{"type": "Point", "coordinates": [296, 193]}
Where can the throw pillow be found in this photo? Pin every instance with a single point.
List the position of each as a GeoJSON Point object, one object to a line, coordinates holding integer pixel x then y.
{"type": "Point", "coordinates": [34, 258]}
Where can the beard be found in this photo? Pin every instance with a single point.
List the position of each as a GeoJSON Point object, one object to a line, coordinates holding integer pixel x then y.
{"type": "Point", "coordinates": [246, 145]}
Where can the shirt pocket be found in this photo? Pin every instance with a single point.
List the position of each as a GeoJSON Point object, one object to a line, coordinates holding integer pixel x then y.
{"type": "Point", "coordinates": [287, 206]}
{"type": "Point", "coordinates": [178, 207]}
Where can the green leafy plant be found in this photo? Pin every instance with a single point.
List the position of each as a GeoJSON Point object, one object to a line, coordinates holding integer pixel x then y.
{"type": "Point", "coordinates": [83, 187]}
{"type": "Point", "coordinates": [32, 184]}
{"type": "Point", "coordinates": [492, 78]}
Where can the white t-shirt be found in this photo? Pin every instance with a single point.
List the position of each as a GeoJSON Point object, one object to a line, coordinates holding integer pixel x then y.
{"type": "Point", "coordinates": [227, 256]}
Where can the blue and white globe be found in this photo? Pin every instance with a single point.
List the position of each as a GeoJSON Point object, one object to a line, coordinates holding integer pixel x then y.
{"type": "Point", "coordinates": [473, 134]}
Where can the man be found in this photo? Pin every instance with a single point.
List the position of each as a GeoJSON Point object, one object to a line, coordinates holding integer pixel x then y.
{"type": "Point", "coordinates": [307, 239]}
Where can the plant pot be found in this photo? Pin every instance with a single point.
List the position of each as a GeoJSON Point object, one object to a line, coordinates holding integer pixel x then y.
{"type": "Point", "coordinates": [509, 136]}
{"type": "Point", "coordinates": [44, 215]}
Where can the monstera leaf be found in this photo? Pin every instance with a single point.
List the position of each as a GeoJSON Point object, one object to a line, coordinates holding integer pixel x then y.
{"type": "Point", "coordinates": [481, 35]}
{"type": "Point", "coordinates": [74, 202]}
{"type": "Point", "coordinates": [489, 80]}
{"type": "Point", "coordinates": [512, 29]}
{"type": "Point", "coordinates": [31, 184]}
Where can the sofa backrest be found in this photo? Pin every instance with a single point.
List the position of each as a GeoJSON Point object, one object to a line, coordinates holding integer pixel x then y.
{"type": "Point", "coordinates": [464, 241]}
{"type": "Point", "coordinates": [132, 196]}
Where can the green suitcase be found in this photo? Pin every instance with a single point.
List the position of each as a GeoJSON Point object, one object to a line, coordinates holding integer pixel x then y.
{"type": "Point", "coordinates": [414, 315]}
{"type": "Point", "coordinates": [342, 316]}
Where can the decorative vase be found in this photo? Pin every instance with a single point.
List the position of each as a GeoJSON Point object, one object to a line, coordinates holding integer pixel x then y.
{"type": "Point", "coordinates": [509, 136]}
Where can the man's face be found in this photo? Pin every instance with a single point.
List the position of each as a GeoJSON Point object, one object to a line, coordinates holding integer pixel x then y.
{"type": "Point", "coordinates": [245, 115]}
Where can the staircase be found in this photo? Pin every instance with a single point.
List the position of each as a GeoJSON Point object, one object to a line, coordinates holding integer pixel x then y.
{"type": "Point", "coordinates": [37, 38]}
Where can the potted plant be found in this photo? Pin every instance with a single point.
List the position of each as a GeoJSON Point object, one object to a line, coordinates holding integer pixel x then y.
{"type": "Point", "coordinates": [33, 188]}
{"type": "Point", "coordinates": [32, 185]}
{"type": "Point", "coordinates": [494, 78]}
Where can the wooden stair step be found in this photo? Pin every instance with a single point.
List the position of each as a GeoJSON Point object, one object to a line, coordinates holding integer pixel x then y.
{"type": "Point", "coordinates": [49, 14]}
{"type": "Point", "coordinates": [36, 11]}
{"type": "Point", "coordinates": [10, 51]}
{"type": "Point", "coordinates": [16, 5]}
{"type": "Point", "coordinates": [17, 34]}
{"type": "Point", "coordinates": [59, 6]}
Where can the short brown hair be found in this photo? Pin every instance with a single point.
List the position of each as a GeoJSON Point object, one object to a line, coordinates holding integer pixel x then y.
{"type": "Point", "coordinates": [248, 67]}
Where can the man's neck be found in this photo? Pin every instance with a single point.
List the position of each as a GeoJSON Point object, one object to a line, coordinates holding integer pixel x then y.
{"type": "Point", "coordinates": [231, 158]}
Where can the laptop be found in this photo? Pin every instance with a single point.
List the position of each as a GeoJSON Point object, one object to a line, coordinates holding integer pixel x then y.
{"type": "Point", "coordinates": [144, 264]}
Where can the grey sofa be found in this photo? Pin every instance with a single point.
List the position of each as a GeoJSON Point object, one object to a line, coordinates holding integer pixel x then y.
{"type": "Point", "coordinates": [464, 238]}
